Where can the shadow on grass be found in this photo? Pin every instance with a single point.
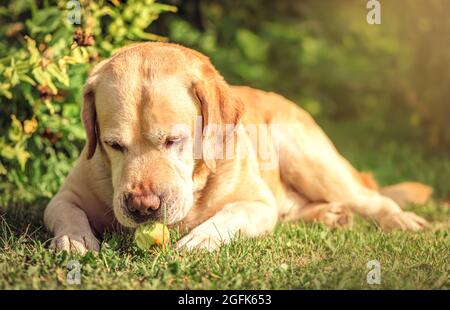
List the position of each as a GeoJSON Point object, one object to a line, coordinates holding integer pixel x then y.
{"type": "Point", "coordinates": [26, 221]}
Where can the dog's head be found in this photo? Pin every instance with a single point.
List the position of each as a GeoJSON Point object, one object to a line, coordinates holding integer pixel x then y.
{"type": "Point", "coordinates": [140, 110]}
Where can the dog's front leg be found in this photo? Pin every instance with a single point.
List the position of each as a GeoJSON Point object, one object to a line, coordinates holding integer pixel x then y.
{"type": "Point", "coordinates": [70, 226]}
{"type": "Point", "coordinates": [251, 219]}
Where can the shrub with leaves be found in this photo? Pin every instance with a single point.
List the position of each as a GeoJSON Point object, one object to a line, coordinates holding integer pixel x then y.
{"type": "Point", "coordinates": [44, 60]}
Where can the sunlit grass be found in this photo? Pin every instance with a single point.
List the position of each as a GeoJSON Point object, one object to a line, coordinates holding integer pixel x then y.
{"type": "Point", "coordinates": [296, 255]}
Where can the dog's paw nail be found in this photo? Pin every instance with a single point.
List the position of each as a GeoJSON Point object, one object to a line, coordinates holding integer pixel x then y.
{"type": "Point", "coordinates": [75, 244]}
{"type": "Point", "coordinates": [336, 215]}
{"type": "Point", "coordinates": [403, 221]}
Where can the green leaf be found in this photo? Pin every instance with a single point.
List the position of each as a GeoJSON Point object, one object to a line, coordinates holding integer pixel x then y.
{"type": "Point", "coordinates": [35, 55]}
{"type": "Point", "coordinates": [3, 170]}
{"type": "Point", "coordinates": [44, 78]}
{"type": "Point", "coordinates": [8, 152]}
{"type": "Point", "coordinates": [22, 157]}
{"type": "Point", "coordinates": [4, 90]}
{"type": "Point", "coordinates": [25, 78]}
{"type": "Point", "coordinates": [16, 130]}
{"type": "Point", "coordinates": [59, 75]}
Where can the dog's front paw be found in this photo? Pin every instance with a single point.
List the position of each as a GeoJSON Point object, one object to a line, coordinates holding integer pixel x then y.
{"type": "Point", "coordinates": [403, 221]}
{"type": "Point", "coordinates": [335, 214]}
{"type": "Point", "coordinates": [75, 243]}
{"type": "Point", "coordinates": [205, 236]}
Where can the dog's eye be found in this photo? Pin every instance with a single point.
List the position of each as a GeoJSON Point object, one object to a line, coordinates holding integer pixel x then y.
{"type": "Point", "coordinates": [115, 146]}
{"type": "Point", "coordinates": [172, 142]}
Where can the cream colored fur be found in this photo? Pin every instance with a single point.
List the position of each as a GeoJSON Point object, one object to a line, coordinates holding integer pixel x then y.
{"type": "Point", "coordinates": [148, 92]}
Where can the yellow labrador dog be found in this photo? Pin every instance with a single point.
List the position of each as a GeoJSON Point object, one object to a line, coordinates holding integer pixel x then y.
{"type": "Point", "coordinates": [169, 140]}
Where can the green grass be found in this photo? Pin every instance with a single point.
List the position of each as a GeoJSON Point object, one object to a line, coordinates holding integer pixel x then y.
{"type": "Point", "coordinates": [296, 255]}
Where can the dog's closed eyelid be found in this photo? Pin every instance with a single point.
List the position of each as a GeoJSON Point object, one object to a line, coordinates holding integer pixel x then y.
{"type": "Point", "coordinates": [115, 145]}
{"type": "Point", "coordinates": [170, 141]}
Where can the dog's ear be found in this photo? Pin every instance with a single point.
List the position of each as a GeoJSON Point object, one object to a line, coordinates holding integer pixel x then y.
{"type": "Point", "coordinates": [88, 113]}
{"type": "Point", "coordinates": [89, 117]}
{"type": "Point", "coordinates": [221, 111]}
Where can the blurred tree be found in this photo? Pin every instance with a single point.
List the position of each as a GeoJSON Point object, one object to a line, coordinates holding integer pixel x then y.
{"type": "Point", "coordinates": [325, 56]}
{"type": "Point", "coordinates": [424, 84]}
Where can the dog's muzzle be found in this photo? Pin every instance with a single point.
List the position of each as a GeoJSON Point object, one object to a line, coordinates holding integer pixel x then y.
{"type": "Point", "coordinates": [142, 207]}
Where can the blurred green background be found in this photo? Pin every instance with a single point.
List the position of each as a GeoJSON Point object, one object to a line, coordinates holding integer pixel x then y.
{"type": "Point", "coordinates": [390, 80]}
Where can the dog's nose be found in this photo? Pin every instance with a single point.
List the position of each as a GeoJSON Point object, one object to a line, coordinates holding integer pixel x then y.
{"type": "Point", "coordinates": [142, 204]}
